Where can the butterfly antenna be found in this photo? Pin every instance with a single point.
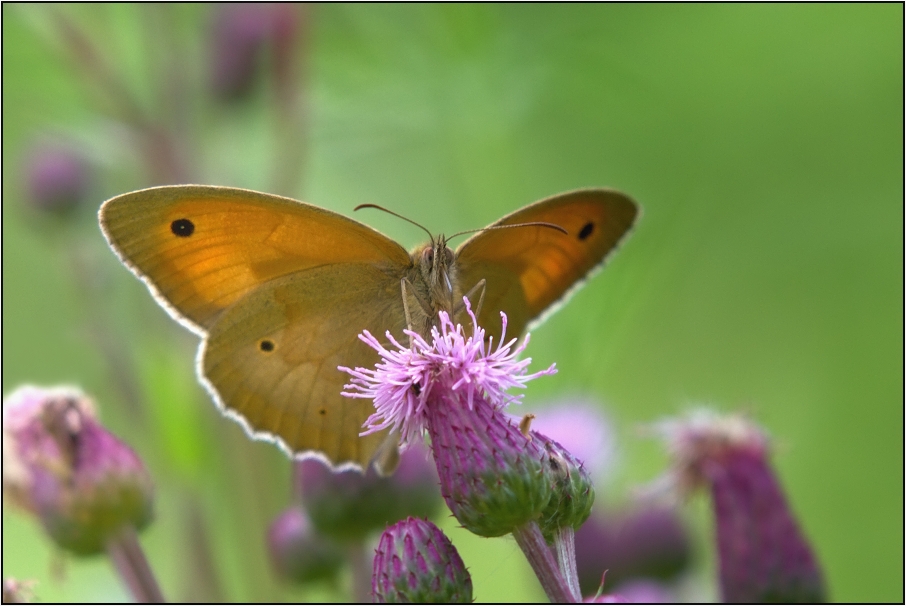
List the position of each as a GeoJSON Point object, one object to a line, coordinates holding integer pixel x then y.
{"type": "Point", "coordinates": [390, 212]}
{"type": "Point", "coordinates": [530, 224]}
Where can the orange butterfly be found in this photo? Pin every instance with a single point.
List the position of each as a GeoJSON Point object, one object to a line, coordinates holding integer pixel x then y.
{"type": "Point", "coordinates": [279, 291]}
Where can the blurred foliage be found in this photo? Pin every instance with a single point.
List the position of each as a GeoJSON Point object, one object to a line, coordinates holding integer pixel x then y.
{"type": "Point", "coordinates": [764, 143]}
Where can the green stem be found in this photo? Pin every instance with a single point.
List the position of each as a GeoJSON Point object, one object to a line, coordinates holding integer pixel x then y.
{"type": "Point", "coordinates": [129, 560]}
{"type": "Point", "coordinates": [542, 561]}
{"type": "Point", "coordinates": [565, 543]}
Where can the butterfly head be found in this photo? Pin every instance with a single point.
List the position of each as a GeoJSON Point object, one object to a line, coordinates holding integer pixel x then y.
{"type": "Point", "coordinates": [437, 272]}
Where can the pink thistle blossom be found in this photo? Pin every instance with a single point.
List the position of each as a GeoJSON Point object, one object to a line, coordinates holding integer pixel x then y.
{"type": "Point", "coordinates": [402, 383]}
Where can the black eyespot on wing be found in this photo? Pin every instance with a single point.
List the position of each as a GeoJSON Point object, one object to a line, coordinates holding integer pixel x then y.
{"type": "Point", "coordinates": [322, 412]}
{"type": "Point", "coordinates": [266, 345]}
{"type": "Point", "coordinates": [586, 230]}
{"type": "Point", "coordinates": [182, 228]}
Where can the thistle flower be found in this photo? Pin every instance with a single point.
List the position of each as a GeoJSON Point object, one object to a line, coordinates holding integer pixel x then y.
{"type": "Point", "coordinates": [581, 427]}
{"type": "Point", "coordinates": [763, 555]}
{"type": "Point", "coordinates": [454, 388]}
{"type": "Point", "coordinates": [89, 490]}
{"type": "Point", "coordinates": [573, 492]}
{"type": "Point", "coordinates": [240, 33]}
{"type": "Point", "coordinates": [58, 179]}
{"type": "Point", "coordinates": [416, 563]}
{"type": "Point", "coordinates": [349, 505]}
{"type": "Point", "coordinates": [62, 465]}
{"type": "Point", "coordinates": [18, 592]}
{"type": "Point", "coordinates": [649, 542]}
{"type": "Point", "coordinates": [298, 553]}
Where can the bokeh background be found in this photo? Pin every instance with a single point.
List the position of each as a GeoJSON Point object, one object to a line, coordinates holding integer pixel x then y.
{"type": "Point", "coordinates": [763, 142]}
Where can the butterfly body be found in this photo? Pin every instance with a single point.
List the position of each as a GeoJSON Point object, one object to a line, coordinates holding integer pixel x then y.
{"type": "Point", "coordinates": [280, 290]}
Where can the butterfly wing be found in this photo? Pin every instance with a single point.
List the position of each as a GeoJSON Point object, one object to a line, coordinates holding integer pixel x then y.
{"type": "Point", "coordinates": [272, 360]}
{"type": "Point", "coordinates": [279, 290]}
{"type": "Point", "coordinates": [200, 248]}
{"type": "Point", "coordinates": [529, 270]}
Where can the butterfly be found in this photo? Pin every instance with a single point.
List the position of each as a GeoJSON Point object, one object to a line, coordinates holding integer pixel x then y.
{"type": "Point", "coordinates": [279, 290]}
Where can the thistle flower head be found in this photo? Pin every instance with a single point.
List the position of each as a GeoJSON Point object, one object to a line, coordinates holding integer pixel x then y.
{"type": "Point", "coordinates": [573, 491]}
{"type": "Point", "coordinates": [58, 178]}
{"type": "Point", "coordinates": [402, 384]}
{"type": "Point", "coordinates": [349, 505]}
{"type": "Point", "coordinates": [298, 553]}
{"type": "Point", "coordinates": [581, 426]}
{"type": "Point", "coordinates": [416, 563]}
{"type": "Point", "coordinates": [60, 464]}
{"type": "Point", "coordinates": [454, 388]}
{"type": "Point", "coordinates": [763, 555]}
{"type": "Point", "coordinates": [648, 541]}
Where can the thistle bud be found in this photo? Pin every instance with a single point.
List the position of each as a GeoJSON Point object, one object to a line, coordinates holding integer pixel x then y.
{"type": "Point", "coordinates": [348, 505]}
{"type": "Point", "coordinates": [57, 179]}
{"type": "Point", "coordinates": [581, 427]}
{"type": "Point", "coordinates": [646, 543]}
{"type": "Point", "coordinates": [416, 563]}
{"type": "Point", "coordinates": [491, 475]}
{"type": "Point", "coordinates": [62, 465]}
{"type": "Point", "coordinates": [298, 553]}
{"type": "Point", "coordinates": [240, 34]}
{"type": "Point", "coordinates": [573, 492]}
{"type": "Point", "coordinates": [18, 592]}
{"type": "Point", "coordinates": [764, 556]}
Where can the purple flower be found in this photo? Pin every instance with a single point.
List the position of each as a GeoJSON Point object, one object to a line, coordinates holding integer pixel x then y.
{"type": "Point", "coordinates": [648, 542]}
{"type": "Point", "coordinates": [763, 555]}
{"type": "Point", "coordinates": [298, 553]}
{"type": "Point", "coordinates": [57, 178]}
{"type": "Point", "coordinates": [18, 592]}
{"type": "Point", "coordinates": [402, 385]}
{"type": "Point", "coordinates": [573, 492]}
{"type": "Point", "coordinates": [580, 426]}
{"type": "Point", "coordinates": [454, 387]}
{"type": "Point", "coordinates": [349, 505]}
{"type": "Point", "coordinates": [60, 464]}
{"type": "Point", "coordinates": [416, 563]}
{"type": "Point", "coordinates": [240, 33]}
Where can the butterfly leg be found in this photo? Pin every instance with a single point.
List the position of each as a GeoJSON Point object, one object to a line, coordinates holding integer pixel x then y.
{"type": "Point", "coordinates": [406, 287]}
{"type": "Point", "coordinates": [479, 286]}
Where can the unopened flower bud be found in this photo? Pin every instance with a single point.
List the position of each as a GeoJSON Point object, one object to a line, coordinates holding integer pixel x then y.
{"type": "Point", "coordinates": [18, 592]}
{"type": "Point", "coordinates": [240, 35]}
{"type": "Point", "coordinates": [581, 427]}
{"type": "Point", "coordinates": [57, 178]}
{"type": "Point", "coordinates": [573, 492]}
{"type": "Point", "coordinates": [298, 553]}
{"type": "Point", "coordinates": [650, 542]}
{"type": "Point", "coordinates": [491, 475]}
{"type": "Point", "coordinates": [416, 563]}
{"type": "Point", "coordinates": [62, 465]}
{"type": "Point", "coordinates": [763, 555]}
{"type": "Point", "coordinates": [348, 505]}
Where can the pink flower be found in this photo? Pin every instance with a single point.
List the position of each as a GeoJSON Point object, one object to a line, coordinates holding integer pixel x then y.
{"type": "Point", "coordinates": [402, 383]}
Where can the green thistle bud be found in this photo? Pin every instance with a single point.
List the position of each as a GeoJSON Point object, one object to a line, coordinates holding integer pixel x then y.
{"type": "Point", "coordinates": [416, 563]}
{"type": "Point", "coordinates": [62, 465]}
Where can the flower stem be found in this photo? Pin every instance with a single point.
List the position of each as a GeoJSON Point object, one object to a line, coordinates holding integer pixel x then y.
{"type": "Point", "coordinates": [361, 573]}
{"type": "Point", "coordinates": [130, 562]}
{"type": "Point", "coordinates": [539, 555]}
{"type": "Point", "coordinates": [565, 543]}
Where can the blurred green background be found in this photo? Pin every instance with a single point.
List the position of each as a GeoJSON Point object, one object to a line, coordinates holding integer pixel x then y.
{"type": "Point", "coordinates": [763, 142]}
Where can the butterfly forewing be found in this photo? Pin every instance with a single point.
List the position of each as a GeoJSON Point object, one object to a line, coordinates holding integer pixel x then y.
{"type": "Point", "coordinates": [202, 248]}
{"type": "Point", "coordinates": [528, 270]}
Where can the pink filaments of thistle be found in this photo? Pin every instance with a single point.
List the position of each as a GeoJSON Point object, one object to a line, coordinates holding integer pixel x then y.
{"type": "Point", "coordinates": [402, 383]}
